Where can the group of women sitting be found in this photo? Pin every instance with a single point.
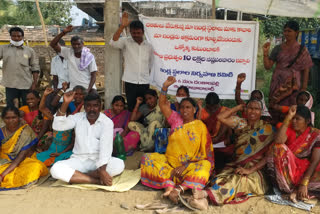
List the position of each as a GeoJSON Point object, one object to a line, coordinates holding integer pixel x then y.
{"type": "Point", "coordinates": [28, 143]}
{"type": "Point", "coordinates": [290, 155]}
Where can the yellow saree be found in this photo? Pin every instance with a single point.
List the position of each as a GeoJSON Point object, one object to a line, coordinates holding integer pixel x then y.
{"type": "Point", "coordinates": [189, 145]}
{"type": "Point", "coordinates": [30, 169]}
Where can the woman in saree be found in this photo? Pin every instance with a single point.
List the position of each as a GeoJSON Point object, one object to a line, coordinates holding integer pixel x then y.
{"type": "Point", "coordinates": [291, 73]}
{"type": "Point", "coordinates": [151, 118]}
{"type": "Point", "coordinates": [294, 158]}
{"type": "Point", "coordinates": [18, 164]}
{"type": "Point", "coordinates": [255, 94]}
{"type": "Point", "coordinates": [121, 117]}
{"type": "Point", "coordinates": [34, 118]}
{"type": "Point", "coordinates": [189, 159]}
{"type": "Point", "coordinates": [242, 178]}
{"type": "Point", "coordinates": [182, 92]}
{"type": "Point", "coordinates": [303, 98]}
{"type": "Point", "coordinates": [62, 142]}
{"type": "Point", "coordinates": [77, 104]}
{"type": "Point", "coordinates": [219, 133]}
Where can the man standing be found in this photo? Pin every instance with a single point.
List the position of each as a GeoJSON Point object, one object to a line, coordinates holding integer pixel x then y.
{"type": "Point", "coordinates": [91, 160]}
{"type": "Point", "coordinates": [59, 69]}
{"type": "Point", "coordinates": [81, 63]}
{"type": "Point", "coordinates": [138, 59]}
{"type": "Point", "coordinates": [20, 68]}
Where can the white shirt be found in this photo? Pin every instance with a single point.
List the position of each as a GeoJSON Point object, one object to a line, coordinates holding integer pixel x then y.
{"type": "Point", "coordinates": [94, 142]}
{"type": "Point", "coordinates": [60, 68]}
{"type": "Point", "coordinates": [76, 76]}
{"type": "Point", "coordinates": [138, 59]}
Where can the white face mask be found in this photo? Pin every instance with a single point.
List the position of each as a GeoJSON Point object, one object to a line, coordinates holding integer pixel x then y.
{"type": "Point", "coordinates": [17, 44]}
{"type": "Point", "coordinates": [179, 99]}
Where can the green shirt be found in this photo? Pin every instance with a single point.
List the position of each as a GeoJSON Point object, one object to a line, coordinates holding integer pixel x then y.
{"type": "Point", "coordinates": [18, 65]}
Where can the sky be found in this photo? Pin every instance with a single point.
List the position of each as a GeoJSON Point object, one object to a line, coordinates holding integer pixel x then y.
{"type": "Point", "coordinates": [77, 16]}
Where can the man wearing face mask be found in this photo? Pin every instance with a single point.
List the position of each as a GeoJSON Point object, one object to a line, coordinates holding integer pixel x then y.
{"type": "Point", "coordinates": [59, 69]}
{"type": "Point", "coordinates": [20, 67]}
{"type": "Point", "coordinates": [82, 66]}
{"type": "Point", "coordinates": [138, 59]}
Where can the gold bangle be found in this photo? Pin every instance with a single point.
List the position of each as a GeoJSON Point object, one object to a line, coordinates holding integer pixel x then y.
{"type": "Point", "coordinates": [305, 181]}
{"type": "Point", "coordinates": [286, 122]}
{"type": "Point", "coordinates": [60, 93]}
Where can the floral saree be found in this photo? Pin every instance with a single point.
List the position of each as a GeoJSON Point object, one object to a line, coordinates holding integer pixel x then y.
{"type": "Point", "coordinates": [120, 121]}
{"type": "Point", "coordinates": [288, 162]}
{"type": "Point", "coordinates": [251, 143]}
{"type": "Point", "coordinates": [154, 119]}
{"type": "Point", "coordinates": [189, 145]}
{"type": "Point", "coordinates": [30, 169]}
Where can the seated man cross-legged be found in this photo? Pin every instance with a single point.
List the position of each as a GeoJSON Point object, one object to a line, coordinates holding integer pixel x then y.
{"type": "Point", "coordinates": [91, 160]}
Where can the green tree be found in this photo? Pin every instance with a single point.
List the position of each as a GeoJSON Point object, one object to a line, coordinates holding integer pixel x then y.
{"type": "Point", "coordinates": [273, 26]}
{"type": "Point", "coordinates": [25, 13]}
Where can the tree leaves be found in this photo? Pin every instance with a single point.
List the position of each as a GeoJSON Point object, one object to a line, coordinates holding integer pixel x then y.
{"type": "Point", "coordinates": [25, 13]}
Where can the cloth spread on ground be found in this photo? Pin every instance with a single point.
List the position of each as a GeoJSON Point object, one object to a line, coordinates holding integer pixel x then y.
{"type": "Point", "coordinates": [277, 199]}
{"type": "Point", "coordinates": [122, 183]}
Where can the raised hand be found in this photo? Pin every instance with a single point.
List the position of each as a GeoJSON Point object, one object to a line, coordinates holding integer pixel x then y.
{"type": "Point", "coordinates": [241, 77]}
{"type": "Point", "coordinates": [48, 91]}
{"type": "Point", "coordinates": [68, 29]}
{"type": "Point", "coordinates": [68, 97]}
{"type": "Point", "coordinates": [125, 19]}
{"type": "Point", "coordinates": [240, 107]}
{"type": "Point", "coordinates": [292, 111]}
{"type": "Point", "coordinates": [170, 80]}
{"type": "Point", "coordinates": [139, 100]}
{"type": "Point", "coordinates": [266, 48]}
{"type": "Point", "coordinates": [200, 103]}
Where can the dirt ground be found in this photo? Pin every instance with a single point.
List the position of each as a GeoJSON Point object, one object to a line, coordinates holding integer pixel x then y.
{"type": "Point", "coordinates": [46, 199]}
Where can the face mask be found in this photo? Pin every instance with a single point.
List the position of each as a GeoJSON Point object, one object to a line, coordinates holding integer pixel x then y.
{"type": "Point", "coordinates": [179, 99]}
{"type": "Point", "coordinates": [17, 44]}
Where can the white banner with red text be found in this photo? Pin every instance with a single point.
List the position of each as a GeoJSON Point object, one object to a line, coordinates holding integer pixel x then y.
{"type": "Point", "coordinates": [204, 55]}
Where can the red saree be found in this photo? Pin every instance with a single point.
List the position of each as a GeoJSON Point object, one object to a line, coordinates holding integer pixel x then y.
{"type": "Point", "coordinates": [288, 162]}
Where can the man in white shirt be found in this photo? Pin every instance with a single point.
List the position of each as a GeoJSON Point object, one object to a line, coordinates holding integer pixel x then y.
{"type": "Point", "coordinates": [138, 59]}
{"type": "Point", "coordinates": [81, 62]}
{"type": "Point", "coordinates": [59, 69]}
{"type": "Point", "coordinates": [91, 160]}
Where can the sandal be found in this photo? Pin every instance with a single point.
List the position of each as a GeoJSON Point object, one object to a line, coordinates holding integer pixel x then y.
{"type": "Point", "coordinates": [152, 206]}
{"type": "Point", "coordinates": [185, 203]}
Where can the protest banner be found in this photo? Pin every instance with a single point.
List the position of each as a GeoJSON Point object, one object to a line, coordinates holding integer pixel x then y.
{"type": "Point", "coordinates": [204, 55]}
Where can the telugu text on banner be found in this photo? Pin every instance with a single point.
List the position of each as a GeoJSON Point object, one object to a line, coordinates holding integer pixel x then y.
{"type": "Point", "coordinates": [204, 55]}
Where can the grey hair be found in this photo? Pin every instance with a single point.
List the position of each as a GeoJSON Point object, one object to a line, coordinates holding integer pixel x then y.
{"type": "Point", "coordinates": [256, 100]}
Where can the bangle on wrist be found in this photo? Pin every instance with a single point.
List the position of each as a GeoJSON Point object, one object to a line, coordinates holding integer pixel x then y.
{"type": "Point", "coordinates": [181, 188]}
{"type": "Point", "coordinates": [163, 92]}
{"type": "Point", "coordinates": [60, 93]}
{"type": "Point", "coordinates": [286, 121]}
{"type": "Point", "coordinates": [305, 181]}
{"type": "Point", "coordinates": [63, 113]}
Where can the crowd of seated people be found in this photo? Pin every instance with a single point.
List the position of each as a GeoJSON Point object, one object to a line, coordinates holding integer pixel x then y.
{"type": "Point", "coordinates": [222, 155]}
